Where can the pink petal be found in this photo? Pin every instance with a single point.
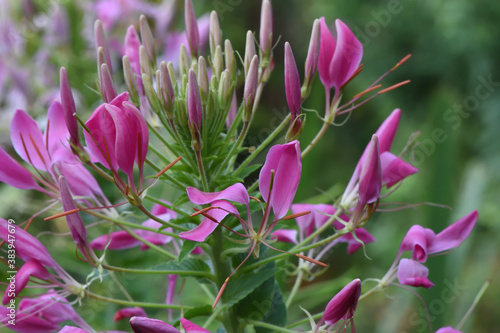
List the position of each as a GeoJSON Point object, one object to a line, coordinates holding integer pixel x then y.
{"type": "Point", "coordinates": [120, 240]}
{"type": "Point", "coordinates": [193, 98]}
{"type": "Point", "coordinates": [387, 131]}
{"type": "Point", "coordinates": [57, 133]}
{"type": "Point", "coordinates": [237, 193]}
{"type": "Point", "coordinates": [147, 325]}
{"type": "Point", "coordinates": [27, 323]}
{"type": "Point", "coordinates": [413, 273]}
{"type": "Point", "coordinates": [102, 137]}
{"type": "Point", "coordinates": [207, 226]}
{"type": "Point", "coordinates": [30, 268]}
{"type": "Point", "coordinates": [320, 213]}
{"type": "Point", "coordinates": [417, 240]}
{"type": "Point", "coordinates": [131, 49]}
{"type": "Point", "coordinates": [142, 128]}
{"type": "Point", "coordinates": [28, 140]}
{"type": "Point", "coordinates": [27, 246]}
{"type": "Point", "coordinates": [80, 181]}
{"type": "Point", "coordinates": [326, 52]}
{"type": "Point", "coordinates": [370, 178]}
{"type": "Point", "coordinates": [286, 162]}
{"type": "Point", "coordinates": [129, 312]}
{"type": "Point", "coordinates": [75, 222]}
{"type": "Point", "coordinates": [72, 329]}
{"type": "Point", "coordinates": [353, 245]}
{"type": "Point", "coordinates": [14, 174]}
{"type": "Point", "coordinates": [343, 304]}
{"type": "Point", "coordinates": [292, 83]}
{"type": "Point", "coordinates": [347, 56]}
{"type": "Point", "coordinates": [285, 235]}
{"type": "Point", "coordinates": [454, 234]}
{"type": "Point", "coordinates": [158, 209]}
{"type": "Point", "coordinates": [448, 329]}
{"type": "Point", "coordinates": [305, 222]}
{"type": "Point", "coordinates": [394, 169]}
{"type": "Point", "coordinates": [192, 328]}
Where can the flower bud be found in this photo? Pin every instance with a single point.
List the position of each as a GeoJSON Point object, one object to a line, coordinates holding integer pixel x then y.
{"type": "Point", "coordinates": [370, 178]}
{"type": "Point", "coordinates": [144, 61]}
{"type": "Point", "coordinates": [106, 83]}
{"type": "Point", "coordinates": [192, 32]}
{"type": "Point", "coordinates": [343, 304]}
{"type": "Point", "coordinates": [230, 61]}
{"type": "Point", "coordinates": [183, 61]}
{"type": "Point", "coordinates": [250, 90]}
{"type": "Point", "coordinates": [292, 83]}
{"type": "Point", "coordinates": [147, 38]}
{"type": "Point", "coordinates": [215, 33]}
{"type": "Point", "coordinates": [203, 79]}
{"type": "Point", "coordinates": [171, 73]}
{"type": "Point", "coordinates": [249, 51]}
{"type": "Point", "coordinates": [69, 108]}
{"type": "Point", "coordinates": [101, 41]}
{"type": "Point", "coordinates": [167, 91]}
{"type": "Point", "coordinates": [311, 64]}
{"type": "Point", "coordinates": [146, 325]}
{"type": "Point", "coordinates": [266, 29]}
{"type": "Point", "coordinates": [130, 80]}
{"type": "Point", "coordinates": [150, 93]}
{"type": "Point", "coordinates": [225, 92]}
{"type": "Point", "coordinates": [195, 111]}
{"type": "Point", "coordinates": [218, 61]}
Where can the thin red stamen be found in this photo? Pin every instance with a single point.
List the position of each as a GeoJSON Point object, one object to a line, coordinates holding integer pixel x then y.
{"type": "Point", "coordinates": [62, 214]}
{"type": "Point", "coordinates": [168, 167]}
{"type": "Point", "coordinates": [408, 56]}
{"type": "Point", "coordinates": [301, 256]}
{"type": "Point", "coordinates": [367, 91]}
{"type": "Point", "coordinates": [290, 217]}
{"type": "Point", "coordinates": [397, 85]}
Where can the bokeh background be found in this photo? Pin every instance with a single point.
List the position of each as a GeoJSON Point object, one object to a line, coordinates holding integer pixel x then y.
{"type": "Point", "coordinates": [454, 91]}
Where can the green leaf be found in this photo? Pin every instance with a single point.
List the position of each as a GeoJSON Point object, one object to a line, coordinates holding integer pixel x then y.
{"type": "Point", "coordinates": [241, 286]}
{"type": "Point", "coordinates": [248, 170]}
{"type": "Point", "coordinates": [186, 249]}
{"type": "Point", "coordinates": [258, 303]}
{"type": "Point", "coordinates": [188, 267]}
{"type": "Point", "coordinates": [277, 314]}
{"type": "Point", "coordinates": [202, 310]}
{"type": "Point", "coordinates": [183, 198]}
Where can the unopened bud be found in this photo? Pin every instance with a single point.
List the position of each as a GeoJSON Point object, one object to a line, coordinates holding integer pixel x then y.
{"type": "Point", "coordinates": [218, 61]}
{"type": "Point", "coordinates": [69, 108]}
{"type": "Point", "coordinates": [171, 73]}
{"type": "Point", "coordinates": [203, 79]}
{"type": "Point", "coordinates": [192, 32]}
{"type": "Point", "coordinates": [230, 61]}
{"type": "Point", "coordinates": [107, 85]}
{"type": "Point", "coordinates": [225, 92]}
{"type": "Point", "coordinates": [266, 29]}
{"type": "Point", "coordinates": [311, 64]}
{"type": "Point", "coordinates": [195, 111]}
{"type": "Point", "coordinates": [167, 91]}
{"type": "Point", "coordinates": [101, 41]}
{"type": "Point", "coordinates": [183, 61]}
{"type": "Point", "coordinates": [215, 32]}
{"type": "Point", "coordinates": [249, 51]}
{"type": "Point", "coordinates": [292, 83]}
{"type": "Point", "coordinates": [150, 92]}
{"type": "Point", "coordinates": [250, 90]}
{"type": "Point", "coordinates": [130, 80]}
{"type": "Point", "coordinates": [147, 38]}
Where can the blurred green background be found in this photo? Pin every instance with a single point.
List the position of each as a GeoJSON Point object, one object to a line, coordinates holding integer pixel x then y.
{"type": "Point", "coordinates": [455, 90]}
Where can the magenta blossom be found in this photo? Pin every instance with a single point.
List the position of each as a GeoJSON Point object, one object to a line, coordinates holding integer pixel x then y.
{"type": "Point", "coordinates": [413, 273]}
{"type": "Point", "coordinates": [118, 137]}
{"type": "Point", "coordinates": [342, 305]}
{"type": "Point", "coordinates": [448, 329]}
{"type": "Point", "coordinates": [338, 60]}
{"type": "Point", "coordinates": [129, 312]}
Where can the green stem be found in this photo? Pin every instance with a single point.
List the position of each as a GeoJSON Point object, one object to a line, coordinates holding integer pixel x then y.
{"type": "Point", "coordinates": [133, 304]}
{"type": "Point", "coordinates": [174, 181]}
{"type": "Point", "coordinates": [316, 139]}
{"type": "Point", "coordinates": [153, 271]}
{"type": "Point", "coordinates": [202, 171]}
{"type": "Point", "coordinates": [235, 147]}
{"type": "Point", "coordinates": [157, 219]}
{"type": "Point", "coordinates": [304, 321]}
{"type": "Point", "coordinates": [263, 145]}
{"type": "Point", "coordinates": [162, 203]}
{"type": "Point", "coordinates": [270, 326]}
{"type": "Point", "coordinates": [296, 286]}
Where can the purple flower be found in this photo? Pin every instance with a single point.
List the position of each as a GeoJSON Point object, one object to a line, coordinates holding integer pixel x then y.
{"type": "Point", "coordinates": [266, 28]}
{"type": "Point", "coordinates": [413, 273]}
{"type": "Point", "coordinates": [338, 60]}
{"type": "Point", "coordinates": [195, 111]}
{"type": "Point", "coordinates": [422, 241]}
{"type": "Point", "coordinates": [292, 89]}
{"type": "Point", "coordinates": [370, 178]}
{"type": "Point", "coordinates": [448, 329]}
{"type": "Point", "coordinates": [129, 312]}
{"type": "Point", "coordinates": [147, 325]}
{"type": "Point", "coordinates": [343, 304]}
{"type": "Point", "coordinates": [192, 32]}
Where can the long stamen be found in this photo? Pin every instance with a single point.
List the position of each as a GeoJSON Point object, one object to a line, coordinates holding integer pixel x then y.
{"type": "Point", "coordinates": [219, 295]}
{"type": "Point", "coordinates": [214, 220]}
{"type": "Point", "coordinates": [268, 206]}
{"type": "Point", "coordinates": [301, 256]}
{"type": "Point", "coordinates": [171, 164]}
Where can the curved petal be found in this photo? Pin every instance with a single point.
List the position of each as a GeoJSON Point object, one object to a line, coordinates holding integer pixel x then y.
{"type": "Point", "coordinates": [14, 174]}
{"type": "Point", "coordinates": [237, 193]}
{"type": "Point", "coordinates": [129, 312]}
{"type": "Point", "coordinates": [192, 328]}
{"type": "Point", "coordinates": [370, 178]}
{"type": "Point", "coordinates": [417, 240]}
{"type": "Point", "coordinates": [56, 133]}
{"type": "Point", "coordinates": [207, 226]}
{"type": "Point", "coordinates": [347, 56]}
{"type": "Point", "coordinates": [292, 83]}
{"type": "Point", "coordinates": [28, 140]}
{"type": "Point", "coordinates": [394, 169]}
{"type": "Point", "coordinates": [454, 234]}
{"type": "Point", "coordinates": [80, 181]}
{"type": "Point", "coordinates": [30, 268]}
{"type": "Point", "coordinates": [131, 49]}
{"type": "Point", "coordinates": [352, 244]}
{"type": "Point", "coordinates": [387, 131]}
{"type": "Point", "coordinates": [343, 304]}
{"type": "Point", "coordinates": [285, 161]}
{"type": "Point", "coordinates": [147, 325]}
{"type": "Point", "coordinates": [143, 133]}
{"type": "Point", "coordinates": [413, 273]}
{"type": "Point", "coordinates": [118, 240]}
{"type": "Point", "coordinates": [285, 235]}
{"type": "Point", "coordinates": [305, 222]}
{"type": "Point", "coordinates": [327, 48]}
{"type": "Point", "coordinates": [158, 209]}
{"type": "Point", "coordinates": [102, 137]}
{"type": "Point", "coordinates": [26, 322]}
{"type": "Point", "coordinates": [448, 329]}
